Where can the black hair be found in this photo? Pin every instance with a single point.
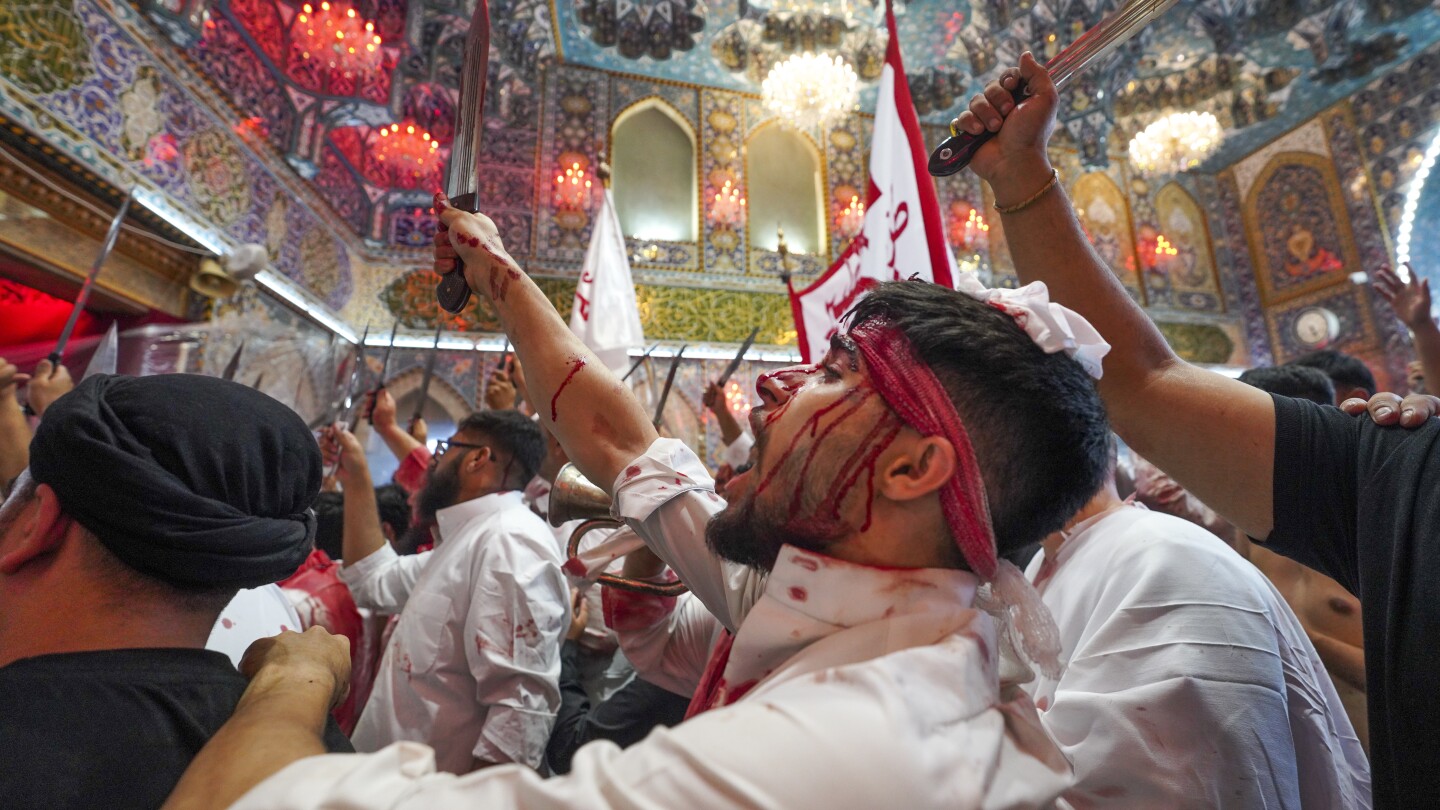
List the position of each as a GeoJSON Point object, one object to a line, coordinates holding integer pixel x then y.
{"type": "Point", "coordinates": [1300, 382]}
{"type": "Point", "coordinates": [1035, 420]}
{"type": "Point", "coordinates": [514, 434]}
{"type": "Point", "coordinates": [330, 523]}
{"type": "Point", "coordinates": [394, 507]}
{"type": "Point", "coordinates": [1344, 370]}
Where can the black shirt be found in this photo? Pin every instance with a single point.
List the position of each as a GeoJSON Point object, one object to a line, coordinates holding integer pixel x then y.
{"type": "Point", "coordinates": [112, 729]}
{"type": "Point", "coordinates": [1361, 503]}
{"type": "Point", "coordinates": [624, 718]}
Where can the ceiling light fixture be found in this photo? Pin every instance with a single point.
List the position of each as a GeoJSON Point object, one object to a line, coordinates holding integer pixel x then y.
{"type": "Point", "coordinates": [810, 90]}
{"type": "Point", "coordinates": [336, 35]}
{"type": "Point", "coordinates": [1176, 143]}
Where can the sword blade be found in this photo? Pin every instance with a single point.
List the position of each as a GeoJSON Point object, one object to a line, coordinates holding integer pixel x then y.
{"type": "Point", "coordinates": [640, 361]}
{"type": "Point", "coordinates": [345, 418]}
{"type": "Point", "coordinates": [425, 381]}
{"type": "Point", "coordinates": [740, 355]}
{"type": "Point", "coordinates": [955, 152]}
{"type": "Point", "coordinates": [357, 371]}
{"type": "Point", "coordinates": [234, 365]}
{"type": "Point", "coordinates": [462, 181]}
{"type": "Point", "coordinates": [385, 361]}
{"type": "Point", "coordinates": [84, 295]}
{"type": "Point", "coordinates": [669, 381]}
{"type": "Point", "coordinates": [106, 355]}
{"type": "Point", "coordinates": [462, 178]}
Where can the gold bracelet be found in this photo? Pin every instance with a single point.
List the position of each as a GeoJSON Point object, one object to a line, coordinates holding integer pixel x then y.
{"type": "Point", "coordinates": [1054, 180]}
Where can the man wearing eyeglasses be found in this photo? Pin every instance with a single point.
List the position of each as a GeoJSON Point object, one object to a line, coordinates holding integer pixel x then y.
{"type": "Point", "coordinates": [473, 667]}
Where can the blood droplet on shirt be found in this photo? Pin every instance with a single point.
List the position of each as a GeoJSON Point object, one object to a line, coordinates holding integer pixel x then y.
{"type": "Point", "coordinates": [799, 594]}
{"type": "Point", "coordinates": [227, 623]}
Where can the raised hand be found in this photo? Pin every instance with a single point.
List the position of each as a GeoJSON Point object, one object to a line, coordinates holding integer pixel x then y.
{"type": "Point", "coordinates": [49, 383]}
{"type": "Point", "coordinates": [500, 393]}
{"type": "Point", "coordinates": [10, 378]}
{"type": "Point", "coordinates": [711, 395]}
{"type": "Point", "coordinates": [1410, 300]}
{"type": "Point", "coordinates": [382, 410]}
{"type": "Point", "coordinates": [1024, 129]}
{"type": "Point", "coordinates": [311, 655]}
{"type": "Point", "coordinates": [474, 239]}
{"type": "Point", "coordinates": [339, 443]}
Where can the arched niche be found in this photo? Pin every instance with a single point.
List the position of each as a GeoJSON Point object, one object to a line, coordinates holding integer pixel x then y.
{"type": "Point", "coordinates": [1191, 270]}
{"type": "Point", "coordinates": [1104, 210]}
{"type": "Point", "coordinates": [1298, 227]}
{"type": "Point", "coordinates": [784, 186]}
{"type": "Point", "coordinates": [652, 149]}
{"type": "Point", "coordinates": [1418, 232]}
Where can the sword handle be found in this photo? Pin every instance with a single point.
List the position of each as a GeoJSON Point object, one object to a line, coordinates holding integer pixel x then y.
{"type": "Point", "coordinates": [955, 152]}
{"type": "Point", "coordinates": [453, 293]}
{"type": "Point", "coordinates": [54, 359]}
{"type": "Point", "coordinates": [370, 406]}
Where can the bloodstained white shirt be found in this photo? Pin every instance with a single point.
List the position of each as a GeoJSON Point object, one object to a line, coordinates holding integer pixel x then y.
{"type": "Point", "coordinates": [253, 614]}
{"type": "Point", "coordinates": [1190, 683]}
{"type": "Point", "coordinates": [473, 667]}
{"type": "Point", "coordinates": [872, 688]}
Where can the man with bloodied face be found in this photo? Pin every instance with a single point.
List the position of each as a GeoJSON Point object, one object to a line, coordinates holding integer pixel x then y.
{"type": "Point", "coordinates": [832, 627]}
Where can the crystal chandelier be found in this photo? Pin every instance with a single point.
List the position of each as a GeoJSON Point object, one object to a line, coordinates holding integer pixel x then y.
{"type": "Point", "coordinates": [572, 188]}
{"type": "Point", "coordinates": [810, 90]}
{"type": "Point", "coordinates": [1176, 143]}
{"type": "Point", "coordinates": [409, 155]}
{"type": "Point", "coordinates": [850, 219]}
{"type": "Point", "coordinates": [338, 37]}
{"type": "Point", "coordinates": [727, 208]}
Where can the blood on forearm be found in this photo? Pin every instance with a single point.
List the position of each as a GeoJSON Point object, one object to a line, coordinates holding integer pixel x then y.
{"type": "Point", "coordinates": [594, 417]}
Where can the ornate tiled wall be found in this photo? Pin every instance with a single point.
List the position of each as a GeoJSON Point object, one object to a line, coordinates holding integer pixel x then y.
{"type": "Point", "coordinates": [97, 89]}
{"type": "Point", "coordinates": [1279, 230]}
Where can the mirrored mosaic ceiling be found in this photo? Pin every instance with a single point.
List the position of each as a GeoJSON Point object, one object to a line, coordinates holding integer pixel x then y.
{"type": "Point", "coordinates": [1260, 65]}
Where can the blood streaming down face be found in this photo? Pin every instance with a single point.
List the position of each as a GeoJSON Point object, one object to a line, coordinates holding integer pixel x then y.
{"type": "Point", "coordinates": [820, 433]}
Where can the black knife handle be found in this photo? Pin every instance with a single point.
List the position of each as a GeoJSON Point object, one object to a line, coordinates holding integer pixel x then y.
{"type": "Point", "coordinates": [955, 152]}
{"type": "Point", "coordinates": [453, 293]}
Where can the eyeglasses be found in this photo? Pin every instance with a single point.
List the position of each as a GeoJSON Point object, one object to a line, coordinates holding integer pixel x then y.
{"type": "Point", "coordinates": [443, 446]}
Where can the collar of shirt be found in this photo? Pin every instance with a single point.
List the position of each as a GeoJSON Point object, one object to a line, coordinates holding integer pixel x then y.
{"type": "Point", "coordinates": [452, 519]}
{"type": "Point", "coordinates": [810, 597]}
{"type": "Point", "coordinates": [1081, 532]}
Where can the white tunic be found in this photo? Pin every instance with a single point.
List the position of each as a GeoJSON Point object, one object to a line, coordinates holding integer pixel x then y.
{"type": "Point", "coordinates": [1189, 681]}
{"type": "Point", "coordinates": [473, 667]}
{"type": "Point", "coordinates": [881, 692]}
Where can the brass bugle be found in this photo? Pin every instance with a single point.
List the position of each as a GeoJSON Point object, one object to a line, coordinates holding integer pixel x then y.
{"type": "Point", "coordinates": [573, 497]}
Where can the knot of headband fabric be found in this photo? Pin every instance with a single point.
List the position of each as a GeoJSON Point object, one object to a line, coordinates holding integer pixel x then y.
{"type": "Point", "coordinates": [1053, 327]}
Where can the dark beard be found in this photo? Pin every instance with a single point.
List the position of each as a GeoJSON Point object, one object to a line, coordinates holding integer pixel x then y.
{"type": "Point", "coordinates": [743, 534]}
{"type": "Point", "coordinates": [440, 491]}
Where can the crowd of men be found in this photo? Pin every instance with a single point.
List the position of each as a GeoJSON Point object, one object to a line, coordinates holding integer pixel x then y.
{"type": "Point", "coordinates": [929, 577]}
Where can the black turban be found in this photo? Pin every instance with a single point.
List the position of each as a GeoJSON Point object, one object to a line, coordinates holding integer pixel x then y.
{"type": "Point", "coordinates": [196, 481]}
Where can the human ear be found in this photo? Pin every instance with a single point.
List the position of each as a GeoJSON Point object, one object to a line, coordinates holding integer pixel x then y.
{"type": "Point", "coordinates": [37, 531]}
{"type": "Point", "coordinates": [917, 467]}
